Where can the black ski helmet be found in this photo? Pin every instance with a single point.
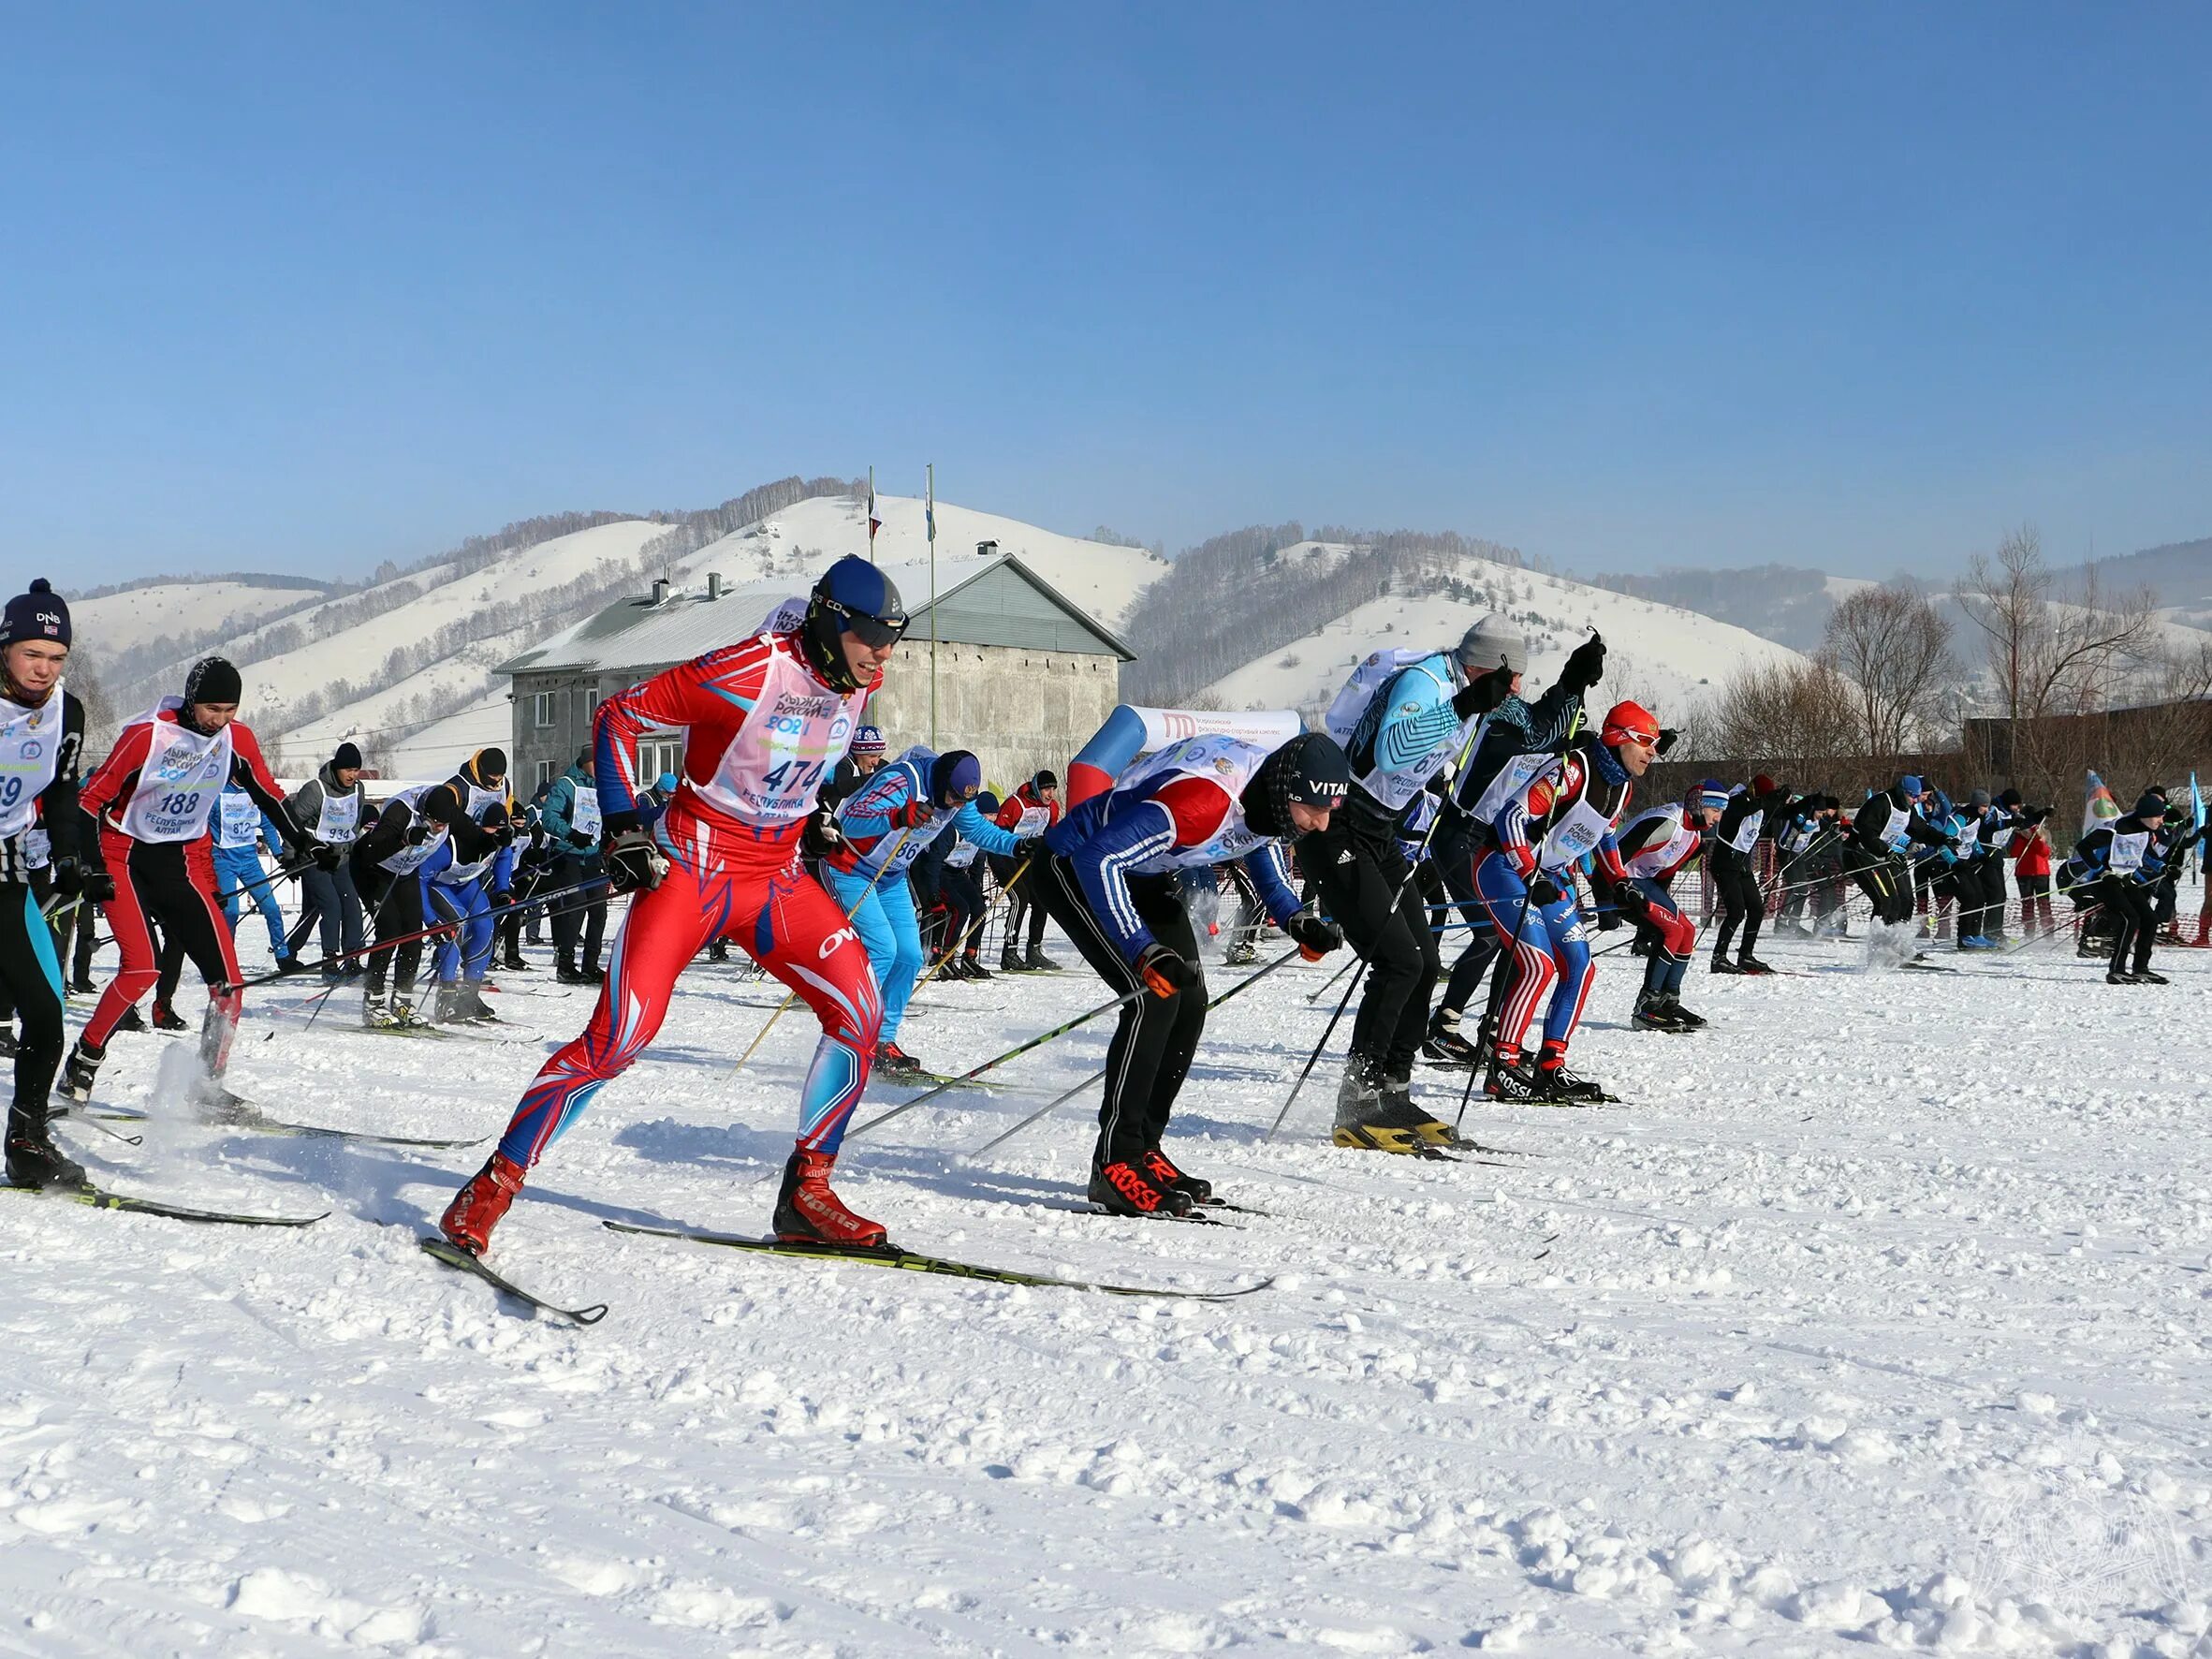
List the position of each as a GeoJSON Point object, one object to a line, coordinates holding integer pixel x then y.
{"type": "Point", "coordinates": [1309, 769]}
{"type": "Point", "coordinates": [851, 594]}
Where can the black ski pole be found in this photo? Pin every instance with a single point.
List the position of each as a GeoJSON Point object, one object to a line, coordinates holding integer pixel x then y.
{"type": "Point", "coordinates": [975, 1072]}
{"type": "Point", "coordinates": [1058, 1100]}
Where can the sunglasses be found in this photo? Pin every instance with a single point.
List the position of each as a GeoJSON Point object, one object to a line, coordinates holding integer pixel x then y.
{"type": "Point", "coordinates": [874, 630]}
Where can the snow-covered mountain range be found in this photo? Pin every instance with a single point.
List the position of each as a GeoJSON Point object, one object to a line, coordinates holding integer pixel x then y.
{"type": "Point", "coordinates": [404, 666]}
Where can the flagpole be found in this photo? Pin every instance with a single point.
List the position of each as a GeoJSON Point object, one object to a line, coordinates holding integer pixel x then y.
{"type": "Point", "coordinates": [872, 515]}
{"type": "Point", "coordinates": [929, 518]}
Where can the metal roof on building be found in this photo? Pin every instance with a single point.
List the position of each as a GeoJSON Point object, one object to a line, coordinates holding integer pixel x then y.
{"type": "Point", "coordinates": [980, 602]}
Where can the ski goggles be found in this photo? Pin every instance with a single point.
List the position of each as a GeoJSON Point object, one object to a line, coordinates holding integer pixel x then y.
{"type": "Point", "coordinates": [872, 631]}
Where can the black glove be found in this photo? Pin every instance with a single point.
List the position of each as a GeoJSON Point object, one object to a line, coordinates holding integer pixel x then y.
{"type": "Point", "coordinates": [1314, 933]}
{"type": "Point", "coordinates": [68, 877]}
{"type": "Point", "coordinates": [1586, 666]}
{"type": "Point", "coordinates": [421, 831]}
{"type": "Point", "coordinates": [502, 897]}
{"type": "Point", "coordinates": [1482, 693]}
{"type": "Point", "coordinates": [583, 843]}
{"type": "Point", "coordinates": [1544, 890]}
{"type": "Point", "coordinates": [822, 837]}
{"type": "Point", "coordinates": [97, 887]}
{"type": "Point", "coordinates": [320, 853]}
{"type": "Point", "coordinates": [2038, 816]}
{"type": "Point", "coordinates": [634, 861]}
{"type": "Point", "coordinates": [1031, 846]}
{"type": "Point", "coordinates": [1164, 971]}
{"type": "Point", "coordinates": [1667, 735]}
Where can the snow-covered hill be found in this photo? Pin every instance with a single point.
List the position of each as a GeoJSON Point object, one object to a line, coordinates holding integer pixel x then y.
{"type": "Point", "coordinates": [139, 617]}
{"type": "Point", "coordinates": [1097, 577]}
{"type": "Point", "coordinates": [1666, 657]}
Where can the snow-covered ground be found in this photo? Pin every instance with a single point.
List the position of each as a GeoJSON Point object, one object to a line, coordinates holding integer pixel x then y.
{"type": "Point", "coordinates": [1670, 657]}
{"type": "Point", "coordinates": [1879, 1307]}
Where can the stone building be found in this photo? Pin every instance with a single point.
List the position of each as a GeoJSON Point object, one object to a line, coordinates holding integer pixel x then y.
{"type": "Point", "coordinates": [1021, 676]}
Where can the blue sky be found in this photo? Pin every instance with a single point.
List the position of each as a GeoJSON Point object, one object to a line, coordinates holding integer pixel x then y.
{"type": "Point", "coordinates": [306, 288]}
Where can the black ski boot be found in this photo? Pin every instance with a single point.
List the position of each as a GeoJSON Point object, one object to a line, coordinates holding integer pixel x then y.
{"type": "Point", "coordinates": [972, 967]}
{"type": "Point", "coordinates": [1651, 1014]}
{"type": "Point", "coordinates": [1039, 963]}
{"type": "Point", "coordinates": [1240, 955]}
{"type": "Point", "coordinates": [1010, 961]}
{"type": "Point", "coordinates": [1682, 1017]}
{"type": "Point", "coordinates": [132, 1020]}
{"type": "Point", "coordinates": [1559, 1086]}
{"type": "Point", "coordinates": [168, 1019]}
{"type": "Point", "coordinates": [1512, 1082]}
{"type": "Point", "coordinates": [1123, 1189]}
{"type": "Point", "coordinates": [1747, 964]}
{"type": "Point", "coordinates": [1722, 965]}
{"type": "Point", "coordinates": [1444, 1045]}
{"type": "Point", "coordinates": [2121, 977]}
{"type": "Point", "coordinates": [32, 1159]}
{"type": "Point", "coordinates": [81, 1070]}
{"type": "Point", "coordinates": [1168, 1178]}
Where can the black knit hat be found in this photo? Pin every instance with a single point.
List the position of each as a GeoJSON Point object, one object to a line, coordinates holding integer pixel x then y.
{"type": "Point", "coordinates": [348, 757]}
{"type": "Point", "coordinates": [1046, 779]}
{"type": "Point", "coordinates": [213, 680]}
{"type": "Point", "coordinates": [38, 614]}
{"type": "Point", "coordinates": [1309, 769]}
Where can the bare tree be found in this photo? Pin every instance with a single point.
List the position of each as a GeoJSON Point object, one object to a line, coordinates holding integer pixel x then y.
{"type": "Point", "coordinates": [2047, 655]}
{"type": "Point", "coordinates": [1893, 646]}
{"type": "Point", "coordinates": [1793, 713]}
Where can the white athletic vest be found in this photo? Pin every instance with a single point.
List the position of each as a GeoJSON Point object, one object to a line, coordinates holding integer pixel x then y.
{"type": "Point", "coordinates": [1391, 785]}
{"type": "Point", "coordinates": [38, 848]}
{"type": "Point", "coordinates": [177, 784]}
{"type": "Point", "coordinates": [1574, 835]}
{"type": "Point", "coordinates": [481, 801]}
{"type": "Point", "coordinates": [1511, 779]}
{"type": "Point", "coordinates": [1225, 760]}
{"type": "Point", "coordinates": [410, 859]}
{"type": "Point", "coordinates": [1798, 833]}
{"type": "Point", "coordinates": [1663, 854]}
{"type": "Point", "coordinates": [340, 821]}
{"type": "Point", "coordinates": [30, 749]}
{"type": "Point", "coordinates": [1035, 820]}
{"type": "Point", "coordinates": [1893, 835]}
{"type": "Point", "coordinates": [962, 856]}
{"type": "Point", "coordinates": [1747, 833]}
{"type": "Point", "coordinates": [2126, 857]}
{"type": "Point", "coordinates": [771, 771]}
{"type": "Point", "coordinates": [238, 820]}
{"type": "Point", "coordinates": [584, 815]}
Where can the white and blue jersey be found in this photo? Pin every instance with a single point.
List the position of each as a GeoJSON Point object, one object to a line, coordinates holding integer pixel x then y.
{"type": "Point", "coordinates": [891, 820]}
{"type": "Point", "coordinates": [1176, 809]}
{"type": "Point", "coordinates": [1408, 729]}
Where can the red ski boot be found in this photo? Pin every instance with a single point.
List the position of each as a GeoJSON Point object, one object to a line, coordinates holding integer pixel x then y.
{"type": "Point", "coordinates": [476, 1208]}
{"type": "Point", "coordinates": [807, 1212]}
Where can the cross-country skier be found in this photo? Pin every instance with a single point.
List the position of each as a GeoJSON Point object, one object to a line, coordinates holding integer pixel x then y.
{"type": "Point", "coordinates": [2118, 861]}
{"type": "Point", "coordinates": [889, 824]}
{"type": "Point", "coordinates": [41, 734]}
{"type": "Point", "coordinates": [421, 827]}
{"type": "Point", "coordinates": [1883, 830]}
{"type": "Point", "coordinates": [1040, 793]}
{"type": "Point", "coordinates": [151, 799]}
{"type": "Point", "coordinates": [1514, 729]}
{"type": "Point", "coordinates": [862, 762]}
{"type": "Point", "coordinates": [1569, 808]}
{"type": "Point", "coordinates": [1652, 846]}
{"type": "Point", "coordinates": [1401, 719]}
{"type": "Point", "coordinates": [329, 806]}
{"type": "Point", "coordinates": [763, 721]}
{"type": "Point", "coordinates": [1110, 881]}
{"type": "Point", "coordinates": [1735, 876]}
{"type": "Point", "coordinates": [242, 827]}
{"type": "Point", "coordinates": [573, 827]}
{"type": "Point", "coordinates": [461, 887]}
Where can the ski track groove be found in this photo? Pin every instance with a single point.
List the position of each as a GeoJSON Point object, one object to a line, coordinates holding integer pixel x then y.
{"type": "Point", "coordinates": [1748, 1401]}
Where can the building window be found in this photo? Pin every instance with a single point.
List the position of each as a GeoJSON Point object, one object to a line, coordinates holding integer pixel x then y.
{"type": "Point", "coordinates": [541, 709]}
{"type": "Point", "coordinates": [657, 754]}
{"type": "Point", "coordinates": [544, 774]}
{"type": "Point", "coordinates": [591, 702]}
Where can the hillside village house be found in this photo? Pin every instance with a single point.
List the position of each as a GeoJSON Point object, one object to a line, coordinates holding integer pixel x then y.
{"type": "Point", "coordinates": [1022, 677]}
